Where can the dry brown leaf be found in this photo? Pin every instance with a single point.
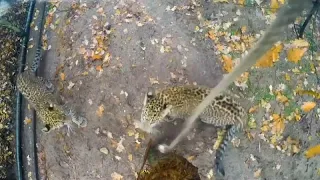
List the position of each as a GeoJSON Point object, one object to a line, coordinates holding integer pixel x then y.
{"type": "Point", "coordinates": [227, 63]}
{"type": "Point", "coordinates": [100, 110]}
{"type": "Point", "coordinates": [313, 151]}
{"type": "Point", "coordinates": [62, 76]}
{"type": "Point", "coordinates": [308, 106]}
{"type": "Point", "coordinates": [82, 50]}
{"type": "Point", "coordinates": [270, 57]}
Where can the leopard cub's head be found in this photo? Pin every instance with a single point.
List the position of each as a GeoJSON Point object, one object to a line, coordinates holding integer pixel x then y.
{"type": "Point", "coordinates": [153, 108]}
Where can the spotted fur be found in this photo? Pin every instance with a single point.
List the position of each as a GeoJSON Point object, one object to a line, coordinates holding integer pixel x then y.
{"type": "Point", "coordinates": [180, 101]}
{"type": "Point", "coordinates": [40, 94]}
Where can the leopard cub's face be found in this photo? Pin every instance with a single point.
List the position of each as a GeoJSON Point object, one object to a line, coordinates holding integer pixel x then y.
{"type": "Point", "coordinates": [152, 109]}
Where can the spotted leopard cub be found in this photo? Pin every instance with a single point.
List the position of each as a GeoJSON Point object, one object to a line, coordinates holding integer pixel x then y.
{"type": "Point", "coordinates": [50, 109]}
{"type": "Point", "coordinates": [180, 101]}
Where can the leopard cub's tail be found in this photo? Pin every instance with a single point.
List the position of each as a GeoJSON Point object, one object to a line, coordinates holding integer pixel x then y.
{"type": "Point", "coordinates": [231, 131]}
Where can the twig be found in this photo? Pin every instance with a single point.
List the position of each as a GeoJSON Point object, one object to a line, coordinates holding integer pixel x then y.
{"type": "Point", "coordinates": [145, 157]}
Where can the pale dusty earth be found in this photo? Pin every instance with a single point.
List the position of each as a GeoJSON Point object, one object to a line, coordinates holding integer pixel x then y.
{"type": "Point", "coordinates": [138, 61]}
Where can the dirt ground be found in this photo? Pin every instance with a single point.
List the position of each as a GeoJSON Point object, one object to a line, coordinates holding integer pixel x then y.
{"type": "Point", "coordinates": [152, 43]}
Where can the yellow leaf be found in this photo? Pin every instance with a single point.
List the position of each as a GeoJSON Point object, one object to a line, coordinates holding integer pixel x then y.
{"type": "Point", "coordinates": [118, 12]}
{"type": "Point", "coordinates": [243, 28]}
{"type": "Point", "coordinates": [196, 28]}
{"type": "Point", "coordinates": [27, 120]}
{"type": "Point", "coordinates": [308, 106]}
{"type": "Point", "coordinates": [270, 57]}
{"type": "Point", "coordinates": [287, 77]}
{"type": "Point", "coordinates": [274, 5]}
{"type": "Point", "coordinates": [211, 35]}
{"type": "Point", "coordinates": [295, 54]}
{"type": "Point", "coordinates": [275, 116]}
{"type": "Point", "coordinates": [281, 98]}
{"type": "Point", "coordinates": [227, 63]}
{"type": "Point", "coordinates": [253, 109]}
{"type": "Point", "coordinates": [278, 124]}
{"type": "Point", "coordinates": [96, 57]}
{"type": "Point", "coordinates": [190, 158]}
{"type": "Point", "coordinates": [299, 43]}
{"type": "Point", "coordinates": [243, 78]}
{"type": "Point", "coordinates": [62, 76]}
{"type": "Point", "coordinates": [265, 128]}
{"type": "Point", "coordinates": [100, 110]}
{"type": "Point", "coordinates": [252, 124]}
{"type": "Point", "coordinates": [313, 151]}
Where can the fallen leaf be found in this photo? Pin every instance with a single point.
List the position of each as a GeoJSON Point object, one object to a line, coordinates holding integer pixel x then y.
{"type": "Point", "coordinates": [153, 81]}
{"type": "Point", "coordinates": [265, 128]}
{"type": "Point", "coordinates": [252, 124]}
{"type": "Point", "coordinates": [278, 124]}
{"type": "Point", "coordinates": [295, 54]}
{"type": "Point", "coordinates": [82, 50]}
{"type": "Point", "coordinates": [211, 35]}
{"type": "Point", "coordinates": [116, 176]}
{"type": "Point", "coordinates": [241, 2]}
{"type": "Point", "coordinates": [120, 146]}
{"type": "Point", "coordinates": [96, 57]}
{"type": "Point", "coordinates": [299, 43]}
{"type": "Point", "coordinates": [253, 109]}
{"type": "Point", "coordinates": [130, 157]}
{"type": "Point", "coordinates": [257, 173]}
{"type": "Point", "coordinates": [274, 5]}
{"type": "Point", "coordinates": [99, 68]}
{"type": "Point", "coordinates": [308, 106]}
{"type": "Point", "coordinates": [27, 120]}
{"type": "Point", "coordinates": [287, 77]}
{"type": "Point", "coordinates": [313, 151]}
{"type": "Point", "coordinates": [106, 59]}
{"type": "Point", "coordinates": [104, 150]}
{"type": "Point", "coordinates": [190, 158]}
{"type": "Point", "coordinates": [100, 110]}
{"type": "Point", "coordinates": [62, 76]}
{"type": "Point", "coordinates": [270, 57]}
{"type": "Point", "coordinates": [227, 63]}
{"type": "Point", "coordinates": [281, 98]}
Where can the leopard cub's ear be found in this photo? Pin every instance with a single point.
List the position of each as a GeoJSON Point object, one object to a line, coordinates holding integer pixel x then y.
{"type": "Point", "coordinates": [151, 92]}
